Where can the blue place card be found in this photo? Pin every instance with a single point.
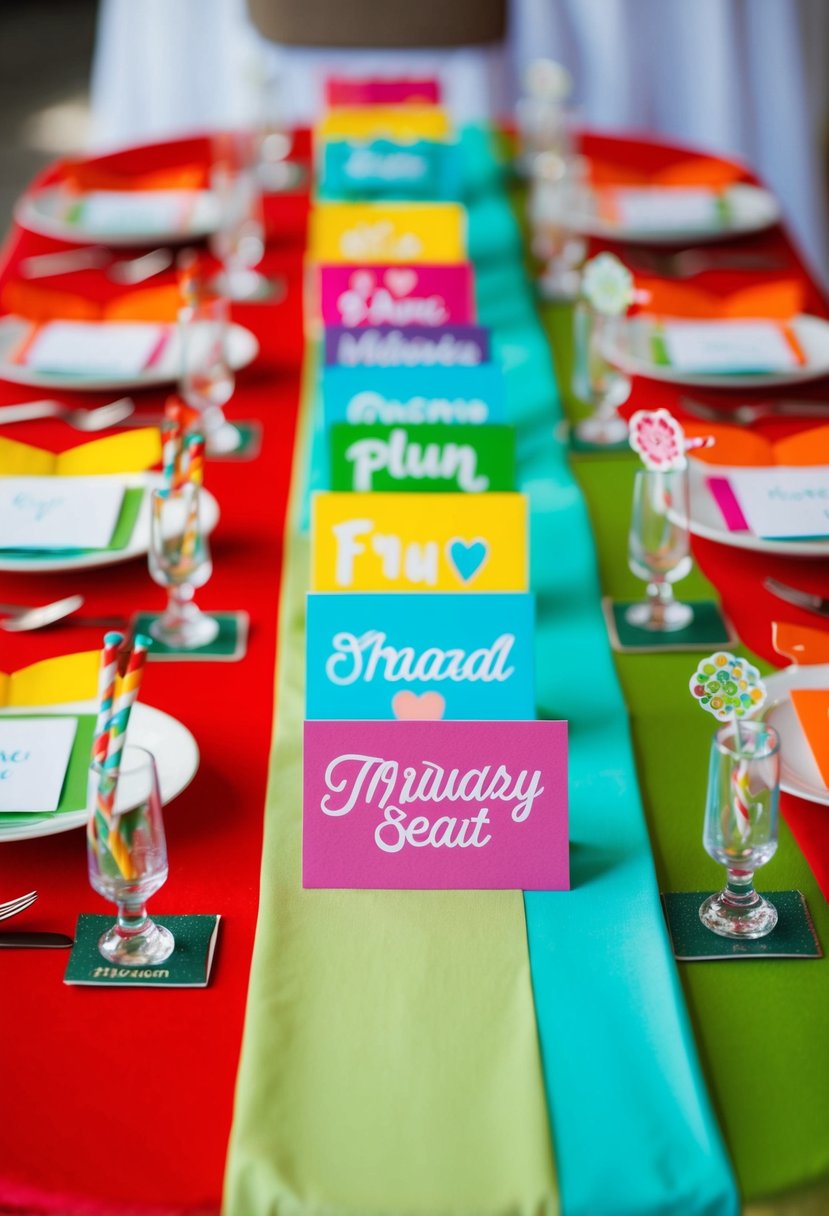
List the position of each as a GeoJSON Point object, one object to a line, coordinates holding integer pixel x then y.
{"type": "Point", "coordinates": [382, 168]}
{"type": "Point", "coordinates": [472, 395]}
{"type": "Point", "coordinates": [420, 656]}
{"type": "Point", "coordinates": [407, 346]}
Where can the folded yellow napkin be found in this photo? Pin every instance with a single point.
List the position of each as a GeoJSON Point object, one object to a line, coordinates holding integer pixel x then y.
{"type": "Point", "coordinates": [69, 677]}
{"type": "Point", "coordinates": [130, 452]}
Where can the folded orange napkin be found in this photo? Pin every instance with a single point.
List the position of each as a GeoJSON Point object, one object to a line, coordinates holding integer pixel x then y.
{"type": "Point", "coordinates": [799, 643]}
{"type": "Point", "coordinates": [779, 300]}
{"type": "Point", "coordinates": [688, 171]}
{"type": "Point", "coordinates": [812, 708]}
{"type": "Point", "coordinates": [747, 449]}
{"type": "Point", "coordinates": [83, 176]}
{"type": "Point", "coordinates": [159, 303]}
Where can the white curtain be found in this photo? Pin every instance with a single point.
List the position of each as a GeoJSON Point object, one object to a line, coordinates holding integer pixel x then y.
{"type": "Point", "coordinates": [746, 78]}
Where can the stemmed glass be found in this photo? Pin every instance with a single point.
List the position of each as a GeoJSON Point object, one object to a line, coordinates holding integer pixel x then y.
{"type": "Point", "coordinates": [239, 240]}
{"type": "Point", "coordinates": [179, 559]}
{"type": "Point", "coordinates": [741, 826]}
{"type": "Point", "coordinates": [127, 856]}
{"type": "Point", "coordinates": [658, 547]}
{"type": "Point", "coordinates": [542, 116]}
{"type": "Point", "coordinates": [595, 379]}
{"type": "Point", "coordinates": [557, 184]}
{"type": "Point", "coordinates": [207, 381]}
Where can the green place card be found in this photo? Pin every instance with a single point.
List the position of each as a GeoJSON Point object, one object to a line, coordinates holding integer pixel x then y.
{"type": "Point", "coordinates": [430, 458]}
{"type": "Point", "coordinates": [792, 937]}
{"type": "Point", "coordinates": [229, 645]}
{"type": "Point", "coordinates": [708, 629]}
{"type": "Point", "coordinates": [187, 967]}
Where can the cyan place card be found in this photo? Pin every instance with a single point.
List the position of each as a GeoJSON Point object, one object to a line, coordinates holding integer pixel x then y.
{"type": "Point", "coordinates": [419, 542]}
{"type": "Point", "coordinates": [403, 295]}
{"type": "Point", "coordinates": [432, 459]}
{"type": "Point", "coordinates": [414, 657]}
{"type": "Point", "coordinates": [391, 395]}
{"type": "Point", "coordinates": [381, 168]}
{"type": "Point", "coordinates": [407, 346]}
{"type": "Point", "coordinates": [435, 805]}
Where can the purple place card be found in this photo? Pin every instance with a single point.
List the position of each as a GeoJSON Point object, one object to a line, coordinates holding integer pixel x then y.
{"type": "Point", "coordinates": [422, 295]}
{"type": "Point", "coordinates": [413, 346]}
{"type": "Point", "coordinates": [379, 91]}
{"type": "Point", "coordinates": [420, 805]}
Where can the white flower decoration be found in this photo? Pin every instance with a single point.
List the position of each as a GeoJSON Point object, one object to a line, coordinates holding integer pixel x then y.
{"type": "Point", "coordinates": [607, 285]}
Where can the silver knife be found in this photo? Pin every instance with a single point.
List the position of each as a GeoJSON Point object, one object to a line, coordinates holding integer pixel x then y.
{"type": "Point", "coordinates": [34, 939]}
{"type": "Point", "coordinates": [806, 600]}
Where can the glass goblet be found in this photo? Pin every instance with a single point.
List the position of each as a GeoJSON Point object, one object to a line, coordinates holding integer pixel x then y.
{"type": "Point", "coordinates": [741, 826]}
{"type": "Point", "coordinates": [554, 200]}
{"type": "Point", "coordinates": [179, 559]}
{"type": "Point", "coordinates": [659, 548]}
{"type": "Point", "coordinates": [239, 239]}
{"type": "Point", "coordinates": [127, 856]}
{"type": "Point", "coordinates": [596, 381]}
{"type": "Point", "coordinates": [207, 381]}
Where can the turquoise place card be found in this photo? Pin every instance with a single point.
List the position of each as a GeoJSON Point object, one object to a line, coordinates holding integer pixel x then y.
{"type": "Point", "coordinates": [396, 395]}
{"type": "Point", "coordinates": [383, 168]}
{"type": "Point", "coordinates": [420, 656]}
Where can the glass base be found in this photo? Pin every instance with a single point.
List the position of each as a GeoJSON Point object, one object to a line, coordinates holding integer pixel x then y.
{"type": "Point", "coordinates": [658, 617]}
{"type": "Point", "coordinates": [152, 944]}
{"type": "Point", "coordinates": [739, 916]}
{"type": "Point", "coordinates": [600, 431]}
{"type": "Point", "coordinates": [222, 439]}
{"type": "Point", "coordinates": [248, 286]}
{"type": "Point", "coordinates": [560, 284]}
{"type": "Point", "coordinates": [185, 632]}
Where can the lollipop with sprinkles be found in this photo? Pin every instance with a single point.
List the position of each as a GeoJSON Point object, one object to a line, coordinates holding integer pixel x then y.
{"type": "Point", "coordinates": [660, 440]}
{"type": "Point", "coordinates": [728, 687]}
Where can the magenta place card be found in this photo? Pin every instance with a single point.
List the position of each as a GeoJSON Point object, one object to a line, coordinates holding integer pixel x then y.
{"type": "Point", "coordinates": [374, 91]}
{"type": "Point", "coordinates": [397, 295]}
{"type": "Point", "coordinates": [425, 804]}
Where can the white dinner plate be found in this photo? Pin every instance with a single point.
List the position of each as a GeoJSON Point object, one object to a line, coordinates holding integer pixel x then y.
{"type": "Point", "coordinates": [45, 211]}
{"type": "Point", "coordinates": [175, 750]}
{"type": "Point", "coordinates": [632, 351]}
{"type": "Point", "coordinates": [242, 348]}
{"type": "Point", "coordinates": [137, 545]}
{"type": "Point", "coordinates": [750, 209]}
{"type": "Point", "coordinates": [707, 521]}
{"type": "Point", "coordinates": [799, 774]}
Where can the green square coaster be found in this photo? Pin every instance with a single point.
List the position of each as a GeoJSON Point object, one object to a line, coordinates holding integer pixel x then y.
{"type": "Point", "coordinates": [792, 937]}
{"type": "Point", "coordinates": [187, 967]}
{"type": "Point", "coordinates": [250, 444]}
{"type": "Point", "coordinates": [709, 629]}
{"type": "Point", "coordinates": [229, 645]}
{"type": "Point", "coordinates": [581, 447]}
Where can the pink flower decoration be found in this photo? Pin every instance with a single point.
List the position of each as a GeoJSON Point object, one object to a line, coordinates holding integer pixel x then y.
{"type": "Point", "coordinates": [658, 438]}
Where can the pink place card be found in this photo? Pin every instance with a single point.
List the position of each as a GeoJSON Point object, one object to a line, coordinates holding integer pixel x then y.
{"type": "Point", "coordinates": [397, 295]}
{"type": "Point", "coordinates": [380, 91]}
{"type": "Point", "coordinates": [425, 805]}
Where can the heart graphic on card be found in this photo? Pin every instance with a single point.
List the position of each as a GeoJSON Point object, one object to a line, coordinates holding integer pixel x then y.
{"type": "Point", "coordinates": [401, 280]}
{"type": "Point", "coordinates": [409, 707]}
{"type": "Point", "coordinates": [467, 557]}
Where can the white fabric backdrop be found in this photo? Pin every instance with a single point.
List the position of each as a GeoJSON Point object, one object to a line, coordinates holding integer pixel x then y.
{"type": "Point", "coordinates": [743, 77]}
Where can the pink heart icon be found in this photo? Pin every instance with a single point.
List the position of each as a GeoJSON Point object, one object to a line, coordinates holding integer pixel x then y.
{"type": "Point", "coordinates": [400, 280]}
{"type": "Point", "coordinates": [409, 707]}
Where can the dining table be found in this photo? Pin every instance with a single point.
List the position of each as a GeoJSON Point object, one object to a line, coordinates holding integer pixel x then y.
{"type": "Point", "coordinates": [420, 1053]}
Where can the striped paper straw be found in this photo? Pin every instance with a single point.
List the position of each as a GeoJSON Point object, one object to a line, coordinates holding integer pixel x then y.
{"type": "Point", "coordinates": [194, 447]}
{"type": "Point", "coordinates": [127, 690]}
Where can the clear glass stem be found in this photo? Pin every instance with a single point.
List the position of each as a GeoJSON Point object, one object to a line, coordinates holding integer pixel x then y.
{"type": "Point", "coordinates": [660, 599]}
{"type": "Point", "coordinates": [132, 919]}
{"type": "Point", "coordinates": [179, 605]}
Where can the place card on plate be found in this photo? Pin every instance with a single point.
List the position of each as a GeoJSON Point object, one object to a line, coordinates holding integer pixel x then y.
{"type": "Point", "coordinates": [425, 296]}
{"type": "Point", "coordinates": [59, 512]}
{"type": "Point", "coordinates": [34, 757]}
{"type": "Point", "coordinates": [381, 168]}
{"type": "Point", "coordinates": [382, 233]}
{"type": "Point", "coordinates": [124, 211]}
{"type": "Point", "coordinates": [435, 805]}
{"type": "Point", "coordinates": [391, 395]}
{"type": "Point", "coordinates": [418, 542]}
{"type": "Point", "coordinates": [445, 459]}
{"type": "Point", "coordinates": [92, 348]}
{"type": "Point", "coordinates": [663, 208]}
{"type": "Point", "coordinates": [727, 347]}
{"type": "Point", "coordinates": [776, 503]}
{"type": "Point", "coordinates": [409, 346]}
{"type": "Point", "coordinates": [420, 657]}
{"type": "Point", "coordinates": [381, 91]}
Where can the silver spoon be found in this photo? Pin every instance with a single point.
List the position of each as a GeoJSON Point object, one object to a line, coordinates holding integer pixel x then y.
{"type": "Point", "coordinates": [126, 271]}
{"type": "Point", "coordinates": [20, 618]}
{"type": "Point", "coordinates": [82, 420]}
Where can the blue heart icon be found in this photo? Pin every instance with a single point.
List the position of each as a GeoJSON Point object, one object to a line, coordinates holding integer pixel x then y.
{"type": "Point", "coordinates": [467, 558]}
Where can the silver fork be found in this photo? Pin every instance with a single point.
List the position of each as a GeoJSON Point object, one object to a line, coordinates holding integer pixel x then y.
{"type": "Point", "coordinates": [96, 419]}
{"type": "Point", "coordinates": [689, 262]}
{"type": "Point", "coordinates": [12, 906]}
{"type": "Point", "coordinates": [127, 271]}
{"type": "Point", "coordinates": [754, 413]}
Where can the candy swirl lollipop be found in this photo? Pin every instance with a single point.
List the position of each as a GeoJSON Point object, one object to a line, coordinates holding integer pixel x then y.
{"type": "Point", "coordinates": [728, 687]}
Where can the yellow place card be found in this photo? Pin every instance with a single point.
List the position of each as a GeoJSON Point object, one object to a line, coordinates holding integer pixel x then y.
{"type": "Point", "coordinates": [130, 452]}
{"type": "Point", "coordinates": [419, 542]}
{"type": "Point", "coordinates": [385, 233]}
{"type": "Point", "coordinates": [69, 677]}
{"type": "Point", "coordinates": [404, 123]}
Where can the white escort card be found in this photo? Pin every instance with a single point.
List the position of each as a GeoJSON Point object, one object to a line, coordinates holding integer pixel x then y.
{"type": "Point", "coordinates": [125, 211]}
{"type": "Point", "coordinates": [729, 346]}
{"type": "Point", "coordinates": [93, 348]}
{"type": "Point", "coordinates": [34, 757]}
{"type": "Point", "coordinates": [667, 208]}
{"type": "Point", "coordinates": [784, 504]}
{"type": "Point", "coordinates": [59, 512]}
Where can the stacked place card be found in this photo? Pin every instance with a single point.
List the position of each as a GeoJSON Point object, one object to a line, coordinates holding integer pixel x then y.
{"type": "Point", "coordinates": [727, 347]}
{"type": "Point", "coordinates": [54, 513]}
{"type": "Point", "coordinates": [775, 503]}
{"type": "Point", "coordinates": [93, 348]}
{"type": "Point", "coordinates": [460, 787]}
